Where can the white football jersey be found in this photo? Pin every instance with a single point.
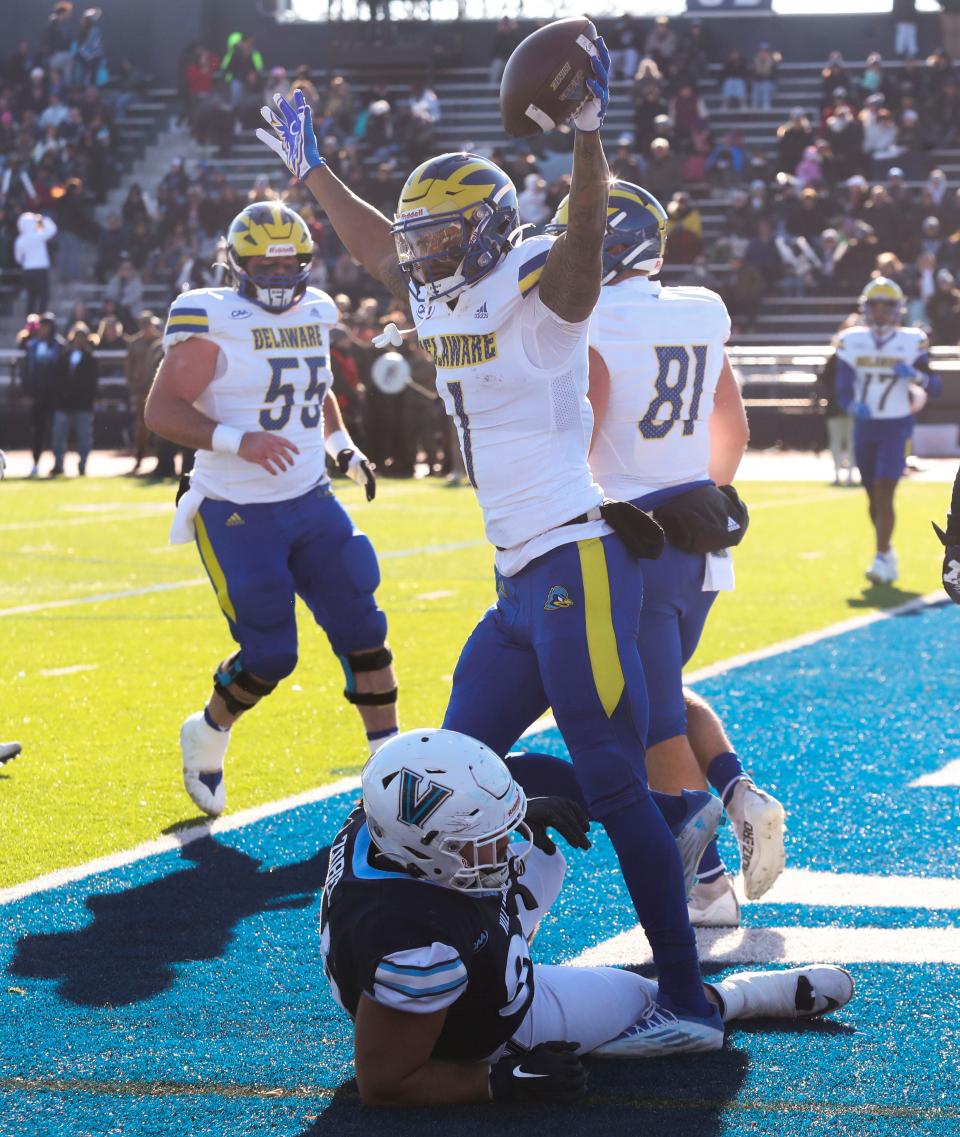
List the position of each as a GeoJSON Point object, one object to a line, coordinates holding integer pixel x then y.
{"type": "Point", "coordinates": [524, 429]}
{"type": "Point", "coordinates": [272, 374]}
{"type": "Point", "coordinates": [873, 358]}
{"type": "Point", "coordinates": [664, 350]}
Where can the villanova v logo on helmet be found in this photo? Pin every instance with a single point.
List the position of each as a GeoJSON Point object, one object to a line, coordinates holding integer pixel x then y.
{"type": "Point", "coordinates": [416, 808]}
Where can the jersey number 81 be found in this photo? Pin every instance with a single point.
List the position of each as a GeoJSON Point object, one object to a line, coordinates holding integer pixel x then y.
{"type": "Point", "coordinates": [654, 424]}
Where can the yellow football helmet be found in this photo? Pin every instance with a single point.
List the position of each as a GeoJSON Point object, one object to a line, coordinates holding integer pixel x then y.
{"type": "Point", "coordinates": [456, 217]}
{"type": "Point", "coordinates": [636, 230]}
{"type": "Point", "coordinates": [269, 229]}
{"type": "Point", "coordinates": [882, 303]}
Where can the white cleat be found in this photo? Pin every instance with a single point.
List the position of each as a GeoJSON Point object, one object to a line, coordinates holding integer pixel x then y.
{"type": "Point", "coordinates": [660, 1032]}
{"type": "Point", "coordinates": [714, 904]}
{"type": "Point", "coordinates": [697, 831]}
{"type": "Point", "coordinates": [759, 821]}
{"type": "Point", "coordinates": [203, 750]}
{"type": "Point", "coordinates": [797, 993]}
{"type": "Point", "coordinates": [884, 569]}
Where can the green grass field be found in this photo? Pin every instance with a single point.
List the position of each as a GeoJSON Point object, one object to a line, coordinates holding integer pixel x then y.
{"type": "Point", "coordinates": [96, 691]}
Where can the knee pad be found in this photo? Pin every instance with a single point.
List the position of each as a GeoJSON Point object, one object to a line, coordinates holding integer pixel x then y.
{"type": "Point", "coordinates": [355, 661]}
{"type": "Point", "coordinates": [239, 689]}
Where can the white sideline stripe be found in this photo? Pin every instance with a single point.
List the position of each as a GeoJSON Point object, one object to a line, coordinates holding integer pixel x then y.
{"type": "Point", "coordinates": [862, 890]}
{"type": "Point", "coordinates": [102, 596]}
{"type": "Point", "coordinates": [948, 775]}
{"type": "Point", "coordinates": [784, 646]}
{"type": "Point", "coordinates": [74, 670]}
{"type": "Point", "coordinates": [174, 840]}
{"type": "Point", "coordinates": [23, 609]}
{"type": "Point", "coordinates": [791, 945]}
{"type": "Point", "coordinates": [55, 523]}
{"type": "Point", "coordinates": [247, 817]}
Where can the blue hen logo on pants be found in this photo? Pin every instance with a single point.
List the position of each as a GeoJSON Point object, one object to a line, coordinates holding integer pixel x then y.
{"type": "Point", "coordinates": [557, 597]}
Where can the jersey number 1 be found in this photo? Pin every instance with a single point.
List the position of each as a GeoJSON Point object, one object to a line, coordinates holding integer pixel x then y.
{"type": "Point", "coordinates": [276, 418]}
{"type": "Point", "coordinates": [670, 394]}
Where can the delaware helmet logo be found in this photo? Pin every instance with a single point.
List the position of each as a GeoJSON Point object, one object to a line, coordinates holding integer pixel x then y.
{"type": "Point", "coordinates": [557, 597]}
{"type": "Point", "coordinates": [417, 807]}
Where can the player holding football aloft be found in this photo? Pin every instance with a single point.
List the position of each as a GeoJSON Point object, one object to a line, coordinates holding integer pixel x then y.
{"type": "Point", "coordinates": [436, 884]}
{"type": "Point", "coordinates": [883, 379]}
{"type": "Point", "coordinates": [670, 427]}
{"type": "Point", "coordinates": [246, 382]}
{"type": "Point", "coordinates": [506, 323]}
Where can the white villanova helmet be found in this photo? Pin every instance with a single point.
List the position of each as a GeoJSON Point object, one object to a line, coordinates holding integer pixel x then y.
{"type": "Point", "coordinates": [445, 807]}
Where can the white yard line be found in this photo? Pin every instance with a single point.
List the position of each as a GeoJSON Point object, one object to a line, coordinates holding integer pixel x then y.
{"type": "Point", "coordinates": [864, 890]}
{"type": "Point", "coordinates": [948, 775]}
{"type": "Point", "coordinates": [248, 817]}
{"type": "Point", "coordinates": [784, 646]}
{"type": "Point", "coordinates": [791, 945]}
{"type": "Point", "coordinates": [23, 609]}
{"type": "Point", "coordinates": [174, 840]}
{"type": "Point", "coordinates": [193, 582]}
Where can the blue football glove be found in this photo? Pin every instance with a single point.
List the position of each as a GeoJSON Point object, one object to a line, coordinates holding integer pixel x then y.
{"type": "Point", "coordinates": [859, 411]}
{"type": "Point", "coordinates": [293, 137]}
{"type": "Point", "coordinates": [903, 370]}
{"type": "Point", "coordinates": [590, 116]}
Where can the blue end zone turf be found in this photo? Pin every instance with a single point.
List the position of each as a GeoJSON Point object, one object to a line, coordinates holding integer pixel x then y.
{"type": "Point", "coordinates": [183, 994]}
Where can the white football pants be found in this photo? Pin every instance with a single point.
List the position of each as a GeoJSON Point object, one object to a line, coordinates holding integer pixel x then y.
{"type": "Point", "coordinates": [586, 1005]}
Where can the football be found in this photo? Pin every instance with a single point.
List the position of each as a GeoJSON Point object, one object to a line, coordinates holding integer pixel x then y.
{"type": "Point", "coordinates": [544, 82]}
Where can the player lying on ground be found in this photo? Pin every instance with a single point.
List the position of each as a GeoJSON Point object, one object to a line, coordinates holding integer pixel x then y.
{"type": "Point", "coordinates": [246, 381]}
{"type": "Point", "coordinates": [669, 429]}
{"type": "Point", "coordinates": [506, 322]}
{"type": "Point", "coordinates": [883, 379]}
{"type": "Point", "coordinates": [435, 887]}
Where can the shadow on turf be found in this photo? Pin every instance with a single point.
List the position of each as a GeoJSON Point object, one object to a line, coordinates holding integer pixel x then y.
{"type": "Point", "coordinates": [128, 951]}
{"type": "Point", "coordinates": [670, 1097]}
{"type": "Point", "coordinates": [880, 596]}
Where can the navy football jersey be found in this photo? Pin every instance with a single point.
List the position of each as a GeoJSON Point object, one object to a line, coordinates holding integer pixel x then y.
{"type": "Point", "coordinates": [419, 947]}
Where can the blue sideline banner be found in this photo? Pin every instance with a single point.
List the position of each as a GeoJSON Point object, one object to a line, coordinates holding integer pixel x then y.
{"type": "Point", "coordinates": [743, 6]}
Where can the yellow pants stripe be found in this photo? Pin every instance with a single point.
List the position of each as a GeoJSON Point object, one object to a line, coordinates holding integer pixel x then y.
{"type": "Point", "coordinates": [212, 565]}
{"type": "Point", "coordinates": [601, 638]}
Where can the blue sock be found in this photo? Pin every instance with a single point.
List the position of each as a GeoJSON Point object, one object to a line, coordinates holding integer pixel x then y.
{"type": "Point", "coordinates": [723, 773]}
{"type": "Point", "coordinates": [208, 719]}
{"type": "Point", "coordinates": [653, 873]}
{"type": "Point", "coordinates": [711, 867]}
{"type": "Point", "coordinates": [672, 806]}
{"type": "Point", "coordinates": [376, 738]}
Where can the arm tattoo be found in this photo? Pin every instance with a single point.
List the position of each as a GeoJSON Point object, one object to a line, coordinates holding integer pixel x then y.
{"type": "Point", "coordinates": [570, 284]}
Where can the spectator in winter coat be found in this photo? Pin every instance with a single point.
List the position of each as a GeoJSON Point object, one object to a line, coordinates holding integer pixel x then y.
{"type": "Point", "coordinates": [73, 397]}
{"type": "Point", "coordinates": [44, 356]}
{"type": "Point", "coordinates": [32, 255]}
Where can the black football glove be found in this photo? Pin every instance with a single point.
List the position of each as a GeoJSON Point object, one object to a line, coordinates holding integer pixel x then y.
{"type": "Point", "coordinates": [562, 814]}
{"type": "Point", "coordinates": [951, 557]}
{"type": "Point", "coordinates": [550, 1073]}
{"type": "Point", "coordinates": [355, 465]}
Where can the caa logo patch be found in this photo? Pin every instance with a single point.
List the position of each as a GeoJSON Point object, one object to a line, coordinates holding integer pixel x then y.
{"type": "Point", "coordinates": [424, 311]}
{"type": "Point", "coordinates": [557, 597]}
{"type": "Point", "coordinates": [240, 314]}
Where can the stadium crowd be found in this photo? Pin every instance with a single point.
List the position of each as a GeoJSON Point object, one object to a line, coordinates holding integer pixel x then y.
{"type": "Point", "coordinates": [844, 190]}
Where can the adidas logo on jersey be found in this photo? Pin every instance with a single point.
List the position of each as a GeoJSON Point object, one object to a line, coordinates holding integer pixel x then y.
{"type": "Point", "coordinates": [481, 312]}
{"type": "Point", "coordinates": [235, 519]}
{"type": "Point", "coordinates": [557, 597]}
{"type": "Point", "coordinates": [732, 526]}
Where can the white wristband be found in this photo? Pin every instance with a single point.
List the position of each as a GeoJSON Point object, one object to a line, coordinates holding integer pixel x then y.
{"type": "Point", "coordinates": [338, 441]}
{"type": "Point", "coordinates": [226, 439]}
